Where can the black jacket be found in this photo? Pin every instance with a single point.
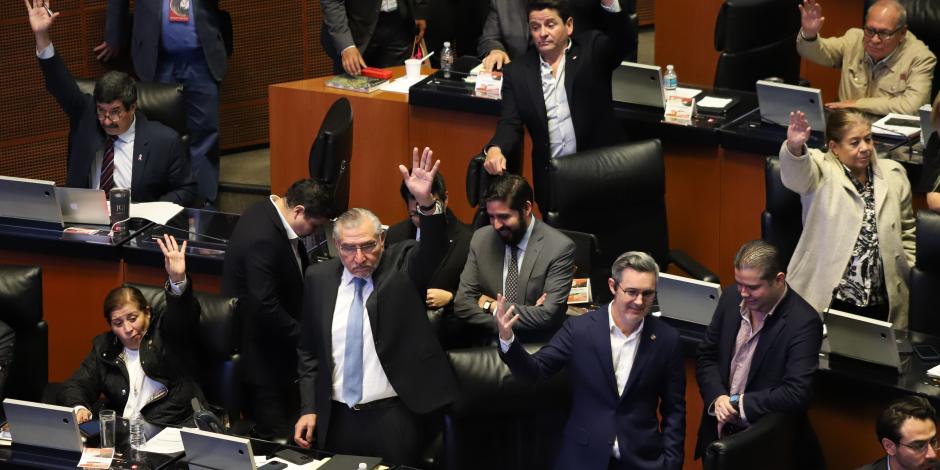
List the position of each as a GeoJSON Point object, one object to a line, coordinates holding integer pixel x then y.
{"type": "Point", "coordinates": [447, 274]}
{"type": "Point", "coordinates": [166, 357]}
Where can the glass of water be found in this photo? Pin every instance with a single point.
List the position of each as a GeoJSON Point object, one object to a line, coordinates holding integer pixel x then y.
{"type": "Point", "coordinates": [107, 421]}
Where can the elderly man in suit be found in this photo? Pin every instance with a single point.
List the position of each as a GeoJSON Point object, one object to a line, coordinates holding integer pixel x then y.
{"type": "Point", "coordinates": [530, 263]}
{"type": "Point", "coordinates": [760, 350]}
{"type": "Point", "coordinates": [907, 430]}
{"type": "Point", "coordinates": [264, 268]}
{"type": "Point", "coordinates": [111, 144]}
{"type": "Point", "coordinates": [561, 89]}
{"type": "Point", "coordinates": [380, 33]}
{"type": "Point", "coordinates": [369, 363]}
{"type": "Point", "coordinates": [626, 372]}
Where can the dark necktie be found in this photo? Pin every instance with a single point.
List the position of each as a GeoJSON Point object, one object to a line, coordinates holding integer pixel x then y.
{"type": "Point", "coordinates": [512, 276]}
{"type": "Point", "coordinates": [302, 254]}
{"type": "Point", "coordinates": [106, 180]}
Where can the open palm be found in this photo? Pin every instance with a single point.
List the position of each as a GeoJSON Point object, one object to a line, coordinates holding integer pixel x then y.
{"type": "Point", "coordinates": [421, 177]}
{"type": "Point", "coordinates": [39, 19]}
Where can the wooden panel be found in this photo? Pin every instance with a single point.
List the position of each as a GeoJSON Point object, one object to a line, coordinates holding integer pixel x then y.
{"type": "Point", "coordinates": [156, 276]}
{"type": "Point", "coordinates": [645, 11]}
{"type": "Point", "coordinates": [684, 37]}
{"type": "Point", "coordinates": [742, 202]}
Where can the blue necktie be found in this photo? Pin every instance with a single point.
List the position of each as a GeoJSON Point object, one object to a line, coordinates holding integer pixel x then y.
{"type": "Point", "coordinates": [352, 360]}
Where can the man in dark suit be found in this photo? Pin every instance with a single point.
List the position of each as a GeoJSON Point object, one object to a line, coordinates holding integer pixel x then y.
{"type": "Point", "coordinates": [519, 256]}
{"type": "Point", "coordinates": [760, 350]}
{"type": "Point", "coordinates": [377, 33]}
{"type": "Point", "coordinates": [561, 90]}
{"type": "Point", "coordinates": [111, 145]}
{"type": "Point", "coordinates": [907, 429]}
{"type": "Point", "coordinates": [264, 265]}
{"type": "Point", "coordinates": [444, 281]}
{"type": "Point", "coordinates": [183, 42]}
{"type": "Point", "coordinates": [625, 367]}
{"type": "Point", "coordinates": [368, 361]}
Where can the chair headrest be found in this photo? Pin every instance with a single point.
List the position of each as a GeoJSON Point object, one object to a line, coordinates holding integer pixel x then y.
{"type": "Point", "coordinates": [20, 296]}
{"type": "Point", "coordinates": [928, 241]}
{"type": "Point", "coordinates": [742, 25]}
{"type": "Point", "coordinates": [162, 102]}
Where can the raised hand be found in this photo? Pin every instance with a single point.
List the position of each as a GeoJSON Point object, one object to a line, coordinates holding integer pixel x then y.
{"type": "Point", "coordinates": [505, 318]}
{"type": "Point", "coordinates": [40, 19]}
{"type": "Point", "coordinates": [811, 19]}
{"type": "Point", "coordinates": [174, 257]}
{"type": "Point", "coordinates": [798, 132]}
{"type": "Point", "coordinates": [422, 175]}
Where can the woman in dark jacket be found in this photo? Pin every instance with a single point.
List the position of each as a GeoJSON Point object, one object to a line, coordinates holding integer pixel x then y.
{"type": "Point", "coordinates": [142, 366]}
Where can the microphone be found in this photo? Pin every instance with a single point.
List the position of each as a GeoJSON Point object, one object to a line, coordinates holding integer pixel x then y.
{"type": "Point", "coordinates": [205, 420]}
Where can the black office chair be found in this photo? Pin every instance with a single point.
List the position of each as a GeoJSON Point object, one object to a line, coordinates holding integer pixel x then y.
{"type": "Point", "coordinates": [767, 445]}
{"type": "Point", "coordinates": [21, 310]}
{"type": "Point", "coordinates": [742, 70]}
{"type": "Point", "coordinates": [162, 102]}
{"type": "Point", "coordinates": [618, 194]}
{"type": "Point", "coordinates": [781, 222]}
{"type": "Point", "coordinates": [478, 181]}
{"type": "Point", "coordinates": [925, 275]}
{"type": "Point", "coordinates": [586, 254]}
{"type": "Point", "coordinates": [331, 153]}
{"type": "Point", "coordinates": [923, 19]}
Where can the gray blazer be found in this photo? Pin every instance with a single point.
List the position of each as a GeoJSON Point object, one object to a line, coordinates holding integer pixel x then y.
{"type": "Point", "coordinates": [351, 23]}
{"type": "Point", "coordinates": [547, 267]}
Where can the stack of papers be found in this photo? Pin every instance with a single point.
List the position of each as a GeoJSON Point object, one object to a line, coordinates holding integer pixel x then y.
{"type": "Point", "coordinates": [897, 126]}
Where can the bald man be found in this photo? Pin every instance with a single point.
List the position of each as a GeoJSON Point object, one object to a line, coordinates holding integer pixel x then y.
{"type": "Point", "coordinates": [885, 69]}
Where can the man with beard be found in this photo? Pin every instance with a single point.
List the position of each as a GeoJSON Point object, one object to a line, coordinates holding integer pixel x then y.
{"type": "Point", "coordinates": [907, 430]}
{"type": "Point", "coordinates": [520, 257]}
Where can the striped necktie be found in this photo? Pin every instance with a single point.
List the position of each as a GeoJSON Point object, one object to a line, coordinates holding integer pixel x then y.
{"type": "Point", "coordinates": [106, 181]}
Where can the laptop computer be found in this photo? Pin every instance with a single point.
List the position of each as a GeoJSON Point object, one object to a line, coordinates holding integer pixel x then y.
{"type": "Point", "coordinates": [777, 100]}
{"type": "Point", "coordinates": [83, 206]}
{"type": "Point", "coordinates": [862, 338]}
{"type": "Point", "coordinates": [687, 299]}
{"type": "Point", "coordinates": [40, 425]}
{"type": "Point", "coordinates": [641, 84]}
{"type": "Point", "coordinates": [29, 202]}
{"type": "Point", "coordinates": [926, 123]}
{"type": "Point", "coordinates": [206, 449]}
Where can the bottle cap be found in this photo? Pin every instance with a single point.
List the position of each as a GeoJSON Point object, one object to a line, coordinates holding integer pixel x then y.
{"type": "Point", "coordinates": [669, 67]}
{"type": "Point", "coordinates": [362, 465]}
{"type": "Point", "coordinates": [446, 44]}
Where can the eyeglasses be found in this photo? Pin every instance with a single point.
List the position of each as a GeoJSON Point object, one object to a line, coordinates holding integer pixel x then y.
{"type": "Point", "coordinates": [114, 114]}
{"type": "Point", "coordinates": [365, 248]}
{"type": "Point", "coordinates": [882, 34]}
{"type": "Point", "coordinates": [921, 446]}
{"type": "Point", "coordinates": [632, 293]}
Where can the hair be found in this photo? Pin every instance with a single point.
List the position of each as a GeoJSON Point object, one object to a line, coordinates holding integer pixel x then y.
{"type": "Point", "coordinates": [438, 188]}
{"type": "Point", "coordinates": [762, 256]}
{"type": "Point", "coordinates": [893, 417]}
{"type": "Point", "coordinates": [902, 12]}
{"type": "Point", "coordinates": [561, 6]}
{"type": "Point", "coordinates": [353, 217]}
{"type": "Point", "coordinates": [514, 190]}
{"type": "Point", "coordinates": [635, 260]}
{"type": "Point", "coordinates": [116, 85]}
{"type": "Point", "coordinates": [122, 296]}
{"type": "Point", "coordinates": [839, 121]}
{"type": "Point", "coordinates": [315, 197]}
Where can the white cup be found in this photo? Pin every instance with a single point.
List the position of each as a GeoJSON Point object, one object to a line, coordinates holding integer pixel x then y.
{"type": "Point", "coordinates": [413, 68]}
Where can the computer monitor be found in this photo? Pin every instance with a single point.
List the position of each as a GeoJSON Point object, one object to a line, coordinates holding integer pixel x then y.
{"type": "Point", "coordinates": [206, 449]}
{"type": "Point", "coordinates": [641, 84]}
{"type": "Point", "coordinates": [778, 100]}
{"type": "Point", "coordinates": [926, 123]}
{"type": "Point", "coordinates": [687, 299]}
{"type": "Point", "coordinates": [39, 425]}
{"type": "Point", "coordinates": [862, 338]}
{"type": "Point", "coordinates": [29, 202]}
{"type": "Point", "coordinates": [83, 206]}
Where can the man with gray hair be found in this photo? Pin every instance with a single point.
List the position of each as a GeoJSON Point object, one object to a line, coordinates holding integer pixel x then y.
{"type": "Point", "coordinates": [626, 371]}
{"type": "Point", "coordinates": [885, 68]}
{"type": "Point", "coordinates": [760, 350]}
{"type": "Point", "coordinates": [369, 363]}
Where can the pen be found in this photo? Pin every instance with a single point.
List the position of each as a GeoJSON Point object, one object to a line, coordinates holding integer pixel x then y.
{"type": "Point", "coordinates": [46, 6]}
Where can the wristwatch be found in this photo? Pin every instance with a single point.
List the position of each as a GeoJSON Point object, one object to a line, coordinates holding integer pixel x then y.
{"type": "Point", "coordinates": [735, 401]}
{"type": "Point", "coordinates": [487, 305]}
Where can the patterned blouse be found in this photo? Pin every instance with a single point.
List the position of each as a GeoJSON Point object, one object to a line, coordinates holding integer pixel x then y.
{"type": "Point", "coordinates": [863, 282]}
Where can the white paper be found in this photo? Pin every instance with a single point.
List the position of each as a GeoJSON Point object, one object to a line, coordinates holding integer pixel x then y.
{"type": "Point", "coordinates": [261, 460]}
{"type": "Point", "coordinates": [880, 127]}
{"type": "Point", "coordinates": [158, 212]}
{"type": "Point", "coordinates": [934, 371]}
{"type": "Point", "coordinates": [401, 85]}
{"type": "Point", "coordinates": [686, 92]}
{"type": "Point", "coordinates": [167, 441]}
{"type": "Point", "coordinates": [713, 102]}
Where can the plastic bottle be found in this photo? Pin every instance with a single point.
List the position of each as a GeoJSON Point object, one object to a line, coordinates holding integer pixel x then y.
{"type": "Point", "coordinates": [447, 59]}
{"type": "Point", "coordinates": [670, 81]}
{"type": "Point", "coordinates": [137, 436]}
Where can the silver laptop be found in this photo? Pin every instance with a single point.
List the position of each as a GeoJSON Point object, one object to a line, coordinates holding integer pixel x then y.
{"type": "Point", "coordinates": [41, 425]}
{"type": "Point", "coordinates": [638, 84]}
{"type": "Point", "coordinates": [687, 299]}
{"type": "Point", "coordinates": [32, 201]}
{"type": "Point", "coordinates": [216, 451]}
{"type": "Point", "coordinates": [862, 338]}
{"type": "Point", "coordinates": [83, 206]}
{"type": "Point", "coordinates": [778, 100]}
{"type": "Point", "coordinates": [926, 124]}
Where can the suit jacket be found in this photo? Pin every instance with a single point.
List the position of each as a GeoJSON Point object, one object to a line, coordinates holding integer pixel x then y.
{"type": "Point", "coordinates": [351, 23]}
{"type": "Point", "coordinates": [7, 341]}
{"type": "Point", "coordinates": [261, 270]}
{"type": "Point", "coordinates": [880, 464]}
{"type": "Point", "coordinates": [781, 374]}
{"type": "Point", "coordinates": [598, 412]}
{"type": "Point", "coordinates": [507, 25]}
{"type": "Point", "coordinates": [593, 56]}
{"type": "Point", "coordinates": [447, 274]}
{"type": "Point", "coordinates": [406, 346]}
{"type": "Point", "coordinates": [547, 267]}
{"type": "Point", "coordinates": [161, 170]}
{"type": "Point", "coordinates": [213, 26]}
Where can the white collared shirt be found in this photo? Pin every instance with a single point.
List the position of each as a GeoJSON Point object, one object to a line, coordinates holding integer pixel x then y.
{"type": "Point", "coordinates": [375, 384]}
{"type": "Point", "coordinates": [623, 353]}
{"type": "Point", "coordinates": [561, 138]}
{"type": "Point", "coordinates": [291, 235]}
{"type": "Point", "coordinates": [140, 387]}
{"type": "Point", "coordinates": [520, 253]}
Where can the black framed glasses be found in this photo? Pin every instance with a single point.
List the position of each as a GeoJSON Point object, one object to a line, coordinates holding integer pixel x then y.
{"type": "Point", "coordinates": [882, 34]}
{"type": "Point", "coordinates": [365, 248]}
{"type": "Point", "coordinates": [113, 114]}
{"type": "Point", "coordinates": [632, 293]}
{"type": "Point", "coordinates": [921, 446]}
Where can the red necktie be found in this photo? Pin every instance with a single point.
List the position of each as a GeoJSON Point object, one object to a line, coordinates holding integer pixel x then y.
{"type": "Point", "coordinates": [106, 181]}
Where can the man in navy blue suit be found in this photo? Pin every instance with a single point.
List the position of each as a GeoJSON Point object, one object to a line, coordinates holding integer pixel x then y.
{"type": "Point", "coordinates": [624, 367]}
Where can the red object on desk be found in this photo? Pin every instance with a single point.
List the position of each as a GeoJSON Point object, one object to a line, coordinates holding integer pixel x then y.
{"type": "Point", "coordinates": [376, 72]}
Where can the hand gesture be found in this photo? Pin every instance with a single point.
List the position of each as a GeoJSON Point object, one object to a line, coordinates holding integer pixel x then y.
{"type": "Point", "coordinates": [174, 257]}
{"type": "Point", "coordinates": [303, 430]}
{"type": "Point", "coordinates": [496, 59]}
{"type": "Point", "coordinates": [421, 177]}
{"type": "Point", "coordinates": [505, 318]}
{"type": "Point", "coordinates": [105, 52]}
{"type": "Point", "coordinates": [811, 19]}
{"type": "Point", "coordinates": [495, 163]}
{"type": "Point", "coordinates": [40, 16]}
{"type": "Point", "coordinates": [438, 298]}
{"type": "Point", "coordinates": [798, 133]}
{"type": "Point", "coordinates": [353, 61]}
{"type": "Point", "coordinates": [82, 415]}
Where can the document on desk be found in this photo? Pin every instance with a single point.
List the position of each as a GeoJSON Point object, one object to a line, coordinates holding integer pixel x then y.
{"type": "Point", "coordinates": [158, 212]}
{"type": "Point", "coordinates": [261, 460]}
{"type": "Point", "coordinates": [401, 85]}
{"type": "Point", "coordinates": [167, 441]}
{"type": "Point", "coordinates": [96, 458]}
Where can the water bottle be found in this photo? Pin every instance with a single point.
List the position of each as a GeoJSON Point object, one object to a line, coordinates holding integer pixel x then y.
{"type": "Point", "coordinates": [670, 81]}
{"type": "Point", "coordinates": [137, 436]}
{"type": "Point", "coordinates": [447, 59]}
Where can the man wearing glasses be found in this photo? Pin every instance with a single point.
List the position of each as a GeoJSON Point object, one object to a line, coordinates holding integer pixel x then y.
{"type": "Point", "coordinates": [626, 372]}
{"type": "Point", "coordinates": [885, 69]}
{"type": "Point", "coordinates": [759, 352]}
{"type": "Point", "coordinates": [907, 430]}
{"type": "Point", "coordinates": [111, 145]}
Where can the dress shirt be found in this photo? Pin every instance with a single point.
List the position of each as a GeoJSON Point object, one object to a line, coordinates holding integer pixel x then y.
{"type": "Point", "coordinates": [623, 352]}
{"type": "Point", "coordinates": [291, 235]}
{"type": "Point", "coordinates": [375, 384]}
{"type": "Point", "coordinates": [561, 138]}
{"type": "Point", "coordinates": [142, 389]}
{"type": "Point", "coordinates": [520, 253]}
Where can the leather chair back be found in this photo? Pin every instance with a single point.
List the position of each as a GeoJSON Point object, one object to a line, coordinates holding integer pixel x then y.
{"type": "Point", "coordinates": [331, 153]}
{"type": "Point", "coordinates": [217, 341]}
{"type": "Point", "coordinates": [753, 48]}
{"type": "Point", "coordinates": [498, 422]}
{"type": "Point", "coordinates": [923, 19]}
{"type": "Point", "coordinates": [768, 445]}
{"type": "Point", "coordinates": [478, 181]}
{"type": "Point", "coordinates": [925, 275]}
{"type": "Point", "coordinates": [741, 70]}
{"type": "Point", "coordinates": [162, 102]}
{"type": "Point", "coordinates": [782, 221]}
{"type": "Point", "coordinates": [21, 310]}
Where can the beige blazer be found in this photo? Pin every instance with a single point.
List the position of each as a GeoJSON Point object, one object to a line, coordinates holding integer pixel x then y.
{"type": "Point", "coordinates": [832, 220]}
{"type": "Point", "coordinates": [902, 87]}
